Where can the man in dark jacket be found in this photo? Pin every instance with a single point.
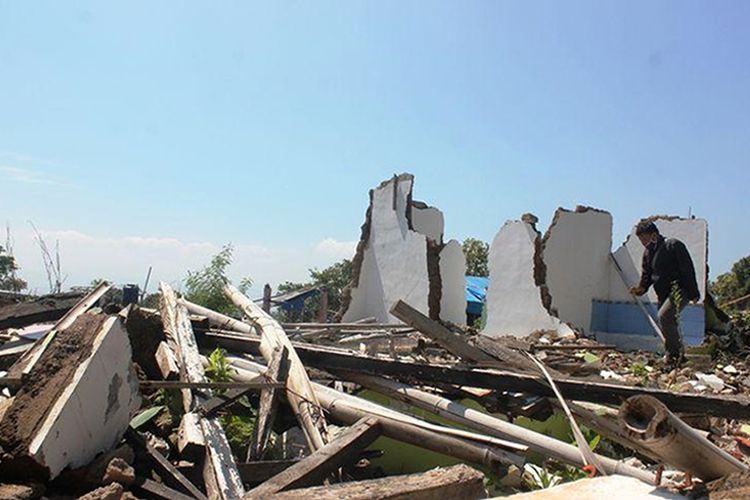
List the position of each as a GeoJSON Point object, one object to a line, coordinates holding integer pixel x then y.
{"type": "Point", "coordinates": [668, 267]}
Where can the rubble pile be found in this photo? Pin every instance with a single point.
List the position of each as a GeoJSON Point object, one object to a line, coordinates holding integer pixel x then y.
{"type": "Point", "coordinates": [185, 402]}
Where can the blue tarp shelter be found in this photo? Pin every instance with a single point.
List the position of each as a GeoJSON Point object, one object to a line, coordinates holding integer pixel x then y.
{"type": "Point", "coordinates": [476, 291]}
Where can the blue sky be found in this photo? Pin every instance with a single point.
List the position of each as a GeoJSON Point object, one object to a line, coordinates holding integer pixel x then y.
{"type": "Point", "coordinates": [153, 132]}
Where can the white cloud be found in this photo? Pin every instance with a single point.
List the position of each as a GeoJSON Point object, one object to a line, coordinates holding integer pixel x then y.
{"type": "Point", "coordinates": [29, 176]}
{"type": "Point", "coordinates": [336, 249]}
{"type": "Point", "coordinates": [126, 259]}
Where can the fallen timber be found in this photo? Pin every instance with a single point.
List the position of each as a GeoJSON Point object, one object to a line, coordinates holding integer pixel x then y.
{"type": "Point", "coordinates": [483, 422]}
{"type": "Point", "coordinates": [220, 473]}
{"type": "Point", "coordinates": [299, 391]}
{"type": "Point", "coordinates": [349, 409]}
{"type": "Point", "coordinates": [647, 421]}
{"type": "Point", "coordinates": [326, 358]}
{"type": "Point", "coordinates": [458, 482]}
{"type": "Point", "coordinates": [313, 469]}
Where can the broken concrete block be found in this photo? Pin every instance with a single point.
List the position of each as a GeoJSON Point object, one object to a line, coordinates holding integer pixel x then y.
{"type": "Point", "coordinates": [112, 491]}
{"type": "Point", "coordinates": [517, 297]}
{"type": "Point", "coordinates": [118, 471]}
{"type": "Point", "coordinates": [77, 402]}
{"type": "Point", "coordinates": [399, 257]}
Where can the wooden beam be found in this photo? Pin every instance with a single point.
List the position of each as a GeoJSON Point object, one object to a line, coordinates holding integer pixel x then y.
{"type": "Point", "coordinates": [458, 482]}
{"type": "Point", "coordinates": [326, 358]}
{"type": "Point", "coordinates": [220, 472]}
{"type": "Point", "coordinates": [278, 370]}
{"type": "Point", "coordinates": [452, 342]}
{"type": "Point", "coordinates": [217, 319]}
{"type": "Point", "coordinates": [314, 468]}
{"type": "Point", "coordinates": [166, 359]}
{"type": "Point", "coordinates": [299, 391]}
{"type": "Point", "coordinates": [159, 490]}
{"type": "Point", "coordinates": [260, 472]}
{"type": "Point", "coordinates": [164, 466]}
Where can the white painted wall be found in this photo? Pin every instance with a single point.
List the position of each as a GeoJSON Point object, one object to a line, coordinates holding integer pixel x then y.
{"type": "Point", "coordinates": [514, 304]}
{"type": "Point", "coordinates": [576, 252]}
{"type": "Point", "coordinates": [429, 221]}
{"type": "Point", "coordinates": [452, 277]}
{"type": "Point", "coordinates": [692, 232]}
{"type": "Point", "coordinates": [395, 261]}
{"type": "Point", "coordinates": [82, 423]}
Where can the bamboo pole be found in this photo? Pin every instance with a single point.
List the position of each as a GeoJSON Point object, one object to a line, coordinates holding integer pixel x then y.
{"type": "Point", "coordinates": [646, 420]}
{"type": "Point", "coordinates": [494, 426]}
{"type": "Point", "coordinates": [221, 321]}
{"type": "Point", "coordinates": [349, 409]}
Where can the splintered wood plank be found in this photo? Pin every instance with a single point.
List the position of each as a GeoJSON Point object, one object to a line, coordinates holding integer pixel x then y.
{"type": "Point", "coordinates": [459, 482]}
{"type": "Point", "coordinates": [220, 472]}
{"type": "Point", "coordinates": [314, 468]}
{"type": "Point", "coordinates": [452, 342]}
{"type": "Point", "coordinates": [278, 369]}
{"type": "Point", "coordinates": [299, 392]}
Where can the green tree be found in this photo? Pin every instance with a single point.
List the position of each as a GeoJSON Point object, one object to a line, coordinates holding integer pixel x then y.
{"type": "Point", "coordinates": [733, 284]}
{"type": "Point", "coordinates": [206, 286]}
{"type": "Point", "coordinates": [334, 278]}
{"type": "Point", "coordinates": [477, 254]}
{"type": "Point", "coordinates": [8, 268]}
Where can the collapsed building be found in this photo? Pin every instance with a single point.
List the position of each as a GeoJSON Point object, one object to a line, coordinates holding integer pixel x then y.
{"type": "Point", "coordinates": [570, 278]}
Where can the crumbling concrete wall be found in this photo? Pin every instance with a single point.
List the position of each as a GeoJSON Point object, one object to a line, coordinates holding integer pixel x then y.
{"type": "Point", "coordinates": [576, 251]}
{"type": "Point", "coordinates": [452, 272]}
{"type": "Point", "coordinates": [399, 258]}
{"type": "Point", "coordinates": [516, 295]}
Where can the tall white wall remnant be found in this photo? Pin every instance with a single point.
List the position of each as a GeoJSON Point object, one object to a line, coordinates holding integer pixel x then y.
{"type": "Point", "coordinates": [516, 295]}
{"type": "Point", "coordinates": [399, 257]}
{"type": "Point", "coordinates": [576, 251]}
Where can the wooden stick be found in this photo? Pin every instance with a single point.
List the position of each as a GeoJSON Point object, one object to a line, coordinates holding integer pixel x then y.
{"type": "Point", "coordinates": [452, 342]}
{"type": "Point", "coordinates": [314, 468]}
{"type": "Point", "coordinates": [278, 370]}
{"type": "Point", "coordinates": [220, 472]}
{"type": "Point", "coordinates": [260, 383]}
{"type": "Point", "coordinates": [217, 319]}
{"type": "Point", "coordinates": [458, 482]}
{"type": "Point", "coordinates": [260, 472]}
{"type": "Point", "coordinates": [299, 391]}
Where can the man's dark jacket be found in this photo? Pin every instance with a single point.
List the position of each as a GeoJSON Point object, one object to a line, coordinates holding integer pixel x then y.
{"type": "Point", "coordinates": [665, 262]}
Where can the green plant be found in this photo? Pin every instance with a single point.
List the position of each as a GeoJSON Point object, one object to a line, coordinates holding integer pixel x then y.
{"type": "Point", "coordinates": [239, 431]}
{"type": "Point", "coordinates": [640, 369]}
{"type": "Point", "coordinates": [733, 284]}
{"type": "Point", "coordinates": [206, 286]}
{"type": "Point", "coordinates": [675, 296]}
{"type": "Point", "coordinates": [218, 368]}
{"type": "Point", "coordinates": [334, 278]}
{"type": "Point", "coordinates": [8, 268]}
{"type": "Point", "coordinates": [539, 478]}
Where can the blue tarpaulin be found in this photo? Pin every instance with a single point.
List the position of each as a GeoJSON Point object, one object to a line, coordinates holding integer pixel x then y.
{"type": "Point", "coordinates": [476, 291]}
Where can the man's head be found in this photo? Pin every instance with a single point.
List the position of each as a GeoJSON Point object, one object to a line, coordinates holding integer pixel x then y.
{"type": "Point", "coordinates": [647, 232]}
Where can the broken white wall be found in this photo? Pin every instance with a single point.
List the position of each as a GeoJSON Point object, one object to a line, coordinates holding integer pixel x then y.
{"type": "Point", "coordinates": [452, 278]}
{"type": "Point", "coordinates": [428, 221]}
{"type": "Point", "coordinates": [93, 412]}
{"type": "Point", "coordinates": [692, 232]}
{"type": "Point", "coordinates": [395, 261]}
{"type": "Point", "coordinates": [576, 253]}
{"type": "Point", "coordinates": [514, 302]}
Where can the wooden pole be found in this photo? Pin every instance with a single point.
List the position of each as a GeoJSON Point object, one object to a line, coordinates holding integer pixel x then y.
{"type": "Point", "coordinates": [266, 299]}
{"type": "Point", "coordinates": [299, 391]}
{"type": "Point", "coordinates": [322, 316]}
{"type": "Point", "coordinates": [278, 370]}
{"type": "Point", "coordinates": [221, 321]}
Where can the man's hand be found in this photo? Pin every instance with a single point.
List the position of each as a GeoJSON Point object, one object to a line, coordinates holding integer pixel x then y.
{"type": "Point", "coordinates": [637, 291]}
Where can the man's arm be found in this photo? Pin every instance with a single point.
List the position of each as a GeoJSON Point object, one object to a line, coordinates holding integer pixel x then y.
{"type": "Point", "coordinates": [688, 282]}
{"type": "Point", "coordinates": [645, 282]}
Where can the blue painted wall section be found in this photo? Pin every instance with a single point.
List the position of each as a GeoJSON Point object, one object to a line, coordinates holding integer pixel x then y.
{"type": "Point", "coordinates": [627, 318]}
